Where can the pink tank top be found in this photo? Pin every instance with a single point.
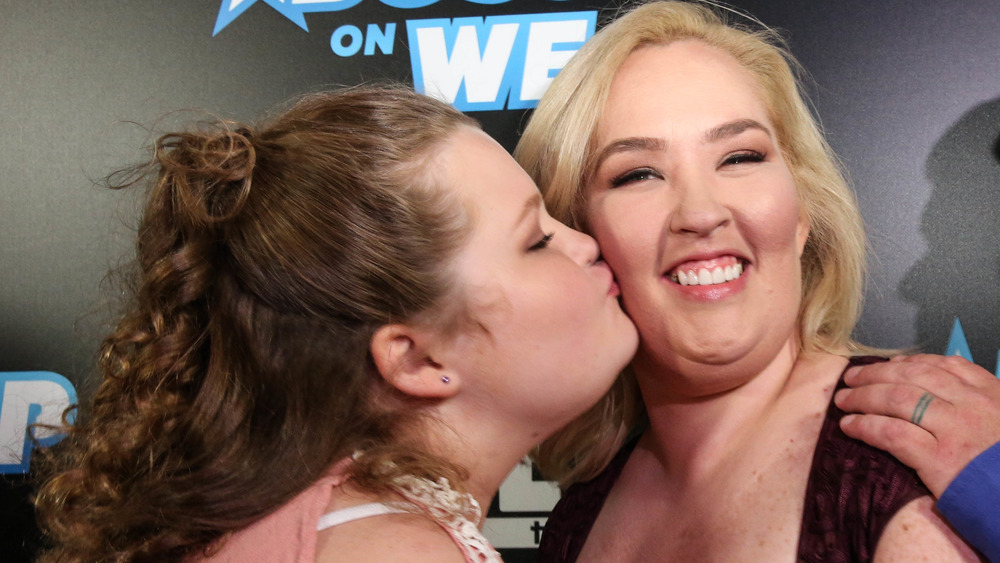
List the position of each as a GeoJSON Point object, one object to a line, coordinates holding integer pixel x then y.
{"type": "Point", "coordinates": [288, 535]}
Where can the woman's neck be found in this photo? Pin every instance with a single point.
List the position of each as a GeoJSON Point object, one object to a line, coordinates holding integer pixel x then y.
{"type": "Point", "coordinates": [702, 415]}
{"type": "Point", "coordinates": [486, 475]}
{"type": "Point", "coordinates": [487, 449]}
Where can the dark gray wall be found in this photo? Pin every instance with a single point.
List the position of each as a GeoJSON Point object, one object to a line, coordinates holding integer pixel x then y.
{"type": "Point", "coordinates": [909, 93]}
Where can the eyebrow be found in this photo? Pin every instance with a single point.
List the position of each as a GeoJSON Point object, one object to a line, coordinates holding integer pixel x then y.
{"type": "Point", "coordinates": [641, 144]}
{"type": "Point", "coordinates": [630, 144]}
{"type": "Point", "coordinates": [531, 205]}
{"type": "Point", "coordinates": [734, 128]}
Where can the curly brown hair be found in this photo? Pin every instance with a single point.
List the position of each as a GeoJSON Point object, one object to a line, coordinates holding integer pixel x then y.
{"type": "Point", "coordinates": [240, 371]}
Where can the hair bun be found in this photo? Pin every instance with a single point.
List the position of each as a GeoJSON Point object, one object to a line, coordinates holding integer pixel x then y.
{"type": "Point", "coordinates": [209, 172]}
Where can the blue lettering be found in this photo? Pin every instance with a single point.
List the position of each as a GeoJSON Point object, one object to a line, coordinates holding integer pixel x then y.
{"type": "Point", "coordinates": [28, 398]}
{"type": "Point", "coordinates": [295, 10]}
{"type": "Point", "coordinates": [479, 64]}
{"type": "Point", "coordinates": [376, 37]}
{"type": "Point", "coordinates": [958, 345]}
{"type": "Point", "coordinates": [337, 41]}
{"type": "Point", "coordinates": [410, 4]}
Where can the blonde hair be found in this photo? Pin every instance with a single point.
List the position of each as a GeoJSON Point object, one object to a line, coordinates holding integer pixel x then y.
{"type": "Point", "coordinates": [558, 147]}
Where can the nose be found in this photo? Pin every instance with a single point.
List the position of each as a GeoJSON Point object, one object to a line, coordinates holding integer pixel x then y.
{"type": "Point", "coordinates": [580, 247]}
{"type": "Point", "coordinates": [697, 209]}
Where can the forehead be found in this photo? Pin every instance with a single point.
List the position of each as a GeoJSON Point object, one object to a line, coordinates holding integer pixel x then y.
{"type": "Point", "coordinates": [495, 190]}
{"type": "Point", "coordinates": [684, 85]}
{"type": "Point", "coordinates": [487, 179]}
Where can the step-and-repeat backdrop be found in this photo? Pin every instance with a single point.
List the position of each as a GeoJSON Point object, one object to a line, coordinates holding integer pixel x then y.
{"type": "Point", "coordinates": [908, 92]}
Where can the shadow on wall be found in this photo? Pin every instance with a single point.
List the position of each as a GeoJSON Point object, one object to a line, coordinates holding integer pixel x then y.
{"type": "Point", "coordinates": [960, 274]}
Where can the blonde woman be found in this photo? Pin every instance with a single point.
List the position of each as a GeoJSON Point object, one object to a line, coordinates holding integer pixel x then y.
{"type": "Point", "coordinates": [682, 144]}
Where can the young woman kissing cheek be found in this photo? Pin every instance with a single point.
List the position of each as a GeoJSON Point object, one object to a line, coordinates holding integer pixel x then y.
{"type": "Point", "coordinates": [697, 214]}
{"type": "Point", "coordinates": [549, 335]}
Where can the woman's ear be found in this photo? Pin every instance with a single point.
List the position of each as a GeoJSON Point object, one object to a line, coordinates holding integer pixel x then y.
{"type": "Point", "coordinates": [802, 232]}
{"type": "Point", "coordinates": [403, 357]}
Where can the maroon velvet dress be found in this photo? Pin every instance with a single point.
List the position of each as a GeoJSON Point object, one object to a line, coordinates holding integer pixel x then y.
{"type": "Point", "coordinates": [852, 493]}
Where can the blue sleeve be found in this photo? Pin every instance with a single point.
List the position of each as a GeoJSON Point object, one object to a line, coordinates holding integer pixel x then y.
{"type": "Point", "coordinates": [971, 503]}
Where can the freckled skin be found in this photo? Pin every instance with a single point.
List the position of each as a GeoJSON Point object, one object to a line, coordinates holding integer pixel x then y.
{"type": "Point", "coordinates": [728, 392]}
{"type": "Point", "coordinates": [691, 206]}
{"type": "Point", "coordinates": [549, 339]}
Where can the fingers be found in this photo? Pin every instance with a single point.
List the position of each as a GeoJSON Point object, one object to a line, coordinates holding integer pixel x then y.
{"type": "Point", "coordinates": [921, 407]}
{"type": "Point", "coordinates": [962, 384]}
{"type": "Point", "coordinates": [959, 367]}
{"type": "Point", "coordinates": [909, 443]}
{"type": "Point", "coordinates": [908, 403]}
{"type": "Point", "coordinates": [936, 374]}
{"type": "Point", "coordinates": [933, 413]}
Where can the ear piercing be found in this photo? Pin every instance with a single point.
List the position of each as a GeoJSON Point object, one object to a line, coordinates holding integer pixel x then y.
{"type": "Point", "coordinates": [445, 379]}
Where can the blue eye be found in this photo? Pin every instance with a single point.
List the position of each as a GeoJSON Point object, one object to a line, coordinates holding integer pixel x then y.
{"type": "Point", "coordinates": [743, 157]}
{"type": "Point", "coordinates": [633, 176]}
{"type": "Point", "coordinates": [546, 239]}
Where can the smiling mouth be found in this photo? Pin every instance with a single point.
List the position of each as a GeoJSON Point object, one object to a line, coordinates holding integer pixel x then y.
{"type": "Point", "coordinates": [708, 273]}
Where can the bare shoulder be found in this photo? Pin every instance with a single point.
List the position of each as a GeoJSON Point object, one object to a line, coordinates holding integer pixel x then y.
{"type": "Point", "coordinates": [917, 533]}
{"type": "Point", "coordinates": [388, 538]}
{"type": "Point", "coordinates": [816, 371]}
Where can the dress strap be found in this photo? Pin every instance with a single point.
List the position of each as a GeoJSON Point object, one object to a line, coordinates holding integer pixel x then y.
{"type": "Point", "coordinates": [343, 516]}
{"type": "Point", "coordinates": [458, 513]}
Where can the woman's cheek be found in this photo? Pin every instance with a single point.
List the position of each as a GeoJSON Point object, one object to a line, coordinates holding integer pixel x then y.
{"type": "Point", "coordinates": [609, 219]}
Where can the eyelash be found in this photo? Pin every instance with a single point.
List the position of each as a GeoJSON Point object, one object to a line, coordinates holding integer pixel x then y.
{"type": "Point", "coordinates": [637, 175]}
{"type": "Point", "coordinates": [744, 156]}
{"type": "Point", "coordinates": [641, 174]}
{"type": "Point", "coordinates": [544, 243]}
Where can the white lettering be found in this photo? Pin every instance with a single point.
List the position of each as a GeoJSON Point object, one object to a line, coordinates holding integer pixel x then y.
{"type": "Point", "coordinates": [442, 76]}
{"type": "Point", "coordinates": [541, 59]}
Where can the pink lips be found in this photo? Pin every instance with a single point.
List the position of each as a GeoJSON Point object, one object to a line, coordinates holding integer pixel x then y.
{"type": "Point", "coordinates": [613, 288]}
{"type": "Point", "coordinates": [705, 261]}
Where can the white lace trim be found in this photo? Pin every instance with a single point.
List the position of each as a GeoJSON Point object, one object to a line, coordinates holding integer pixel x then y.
{"type": "Point", "coordinates": [458, 513]}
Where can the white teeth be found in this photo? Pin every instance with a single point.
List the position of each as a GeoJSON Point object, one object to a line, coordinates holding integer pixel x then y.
{"type": "Point", "coordinates": [704, 276]}
{"type": "Point", "coordinates": [718, 276]}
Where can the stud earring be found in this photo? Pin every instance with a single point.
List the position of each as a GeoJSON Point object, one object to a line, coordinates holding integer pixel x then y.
{"type": "Point", "coordinates": [445, 379]}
